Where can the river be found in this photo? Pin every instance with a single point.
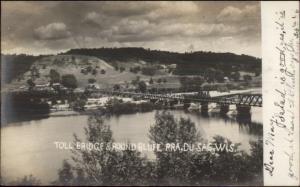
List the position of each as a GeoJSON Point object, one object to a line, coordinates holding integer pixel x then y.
{"type": "Point", "coordinates": [28, 147]}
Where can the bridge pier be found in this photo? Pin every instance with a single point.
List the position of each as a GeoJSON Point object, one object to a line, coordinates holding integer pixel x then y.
{"type": "Point", "coordinates": [204, 107]}
{"type": "Point", "coordinates": [153, 100]}
{"type": "Point", "coordinates": [243, 110]}
{"type": "Point", "coordinates": [174, 102]}
{"type": "Point", "coordinates": [186, 104]}
{"type": "Point", "coordinates": [224, 108]}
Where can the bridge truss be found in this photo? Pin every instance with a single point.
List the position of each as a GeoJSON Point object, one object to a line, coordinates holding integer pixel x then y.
{"type": "Point", "coordinates": [244, 99]}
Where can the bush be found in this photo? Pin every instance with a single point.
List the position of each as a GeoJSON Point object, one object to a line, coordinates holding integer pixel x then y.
{"type": "Point", "coordinates": [247, 78]}
{"type": "Point", "coordinates": [151, 81]}
{"type": "Point", "coordinates": [69, 81]}
{"type": "Point", "coordinates": [122, 69]}
{"type": "Point", "coordinates": [25, 181]}
{"type": "Point", "coordinates": [54, 76]}
{"type": "Point", "coordinates": [30, 83]}
{"type": "Point", "coordinates": [142, 86]}
{"type": "Point", "coordinates": [94, 72]}
{"type": "Point", "coordinates": [150, 71]}
{"type": "Point", "coordinates": [91, 80]}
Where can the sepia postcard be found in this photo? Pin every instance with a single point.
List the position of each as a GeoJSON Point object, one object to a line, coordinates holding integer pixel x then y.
{"type": "Point", "coordinates": [149, 93]}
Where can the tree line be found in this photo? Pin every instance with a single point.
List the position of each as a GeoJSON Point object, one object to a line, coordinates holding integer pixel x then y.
{"type": "Point", "coordinates": [187, 63]}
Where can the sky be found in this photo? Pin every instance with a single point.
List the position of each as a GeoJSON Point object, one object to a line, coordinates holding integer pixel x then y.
{"type": "Point", "coordinates": [53, 26]}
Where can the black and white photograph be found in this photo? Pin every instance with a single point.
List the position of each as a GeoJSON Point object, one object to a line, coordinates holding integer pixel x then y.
{"type": "Point", "coordinates": [132, 93]}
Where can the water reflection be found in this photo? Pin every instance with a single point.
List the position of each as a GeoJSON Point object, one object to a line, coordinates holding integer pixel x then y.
{"type": "Point", "coordinates": [245, 122]}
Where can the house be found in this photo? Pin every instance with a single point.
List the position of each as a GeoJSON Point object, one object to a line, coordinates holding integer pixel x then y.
{"type": "Point", "coordinates": [162, 66]}
{"type": "Point", "coordinates": [142, 62]}
{"type": "Point", "coordinates": [93, 86]}
{"type": "Point", "coordinates": [60, 107]}
{"type": "Point", "coordinates": [172, 66]}
{"type": "Point", "coordinates": [58, 86]}
{"type": "Point", "coordinates": [95, 103]}
{"type": "Point", "coordinates": [78, 90]}
{"type": "Point", "coordinates": [226, 80]}
{"type": "Point", "coordinates": [43, 87]}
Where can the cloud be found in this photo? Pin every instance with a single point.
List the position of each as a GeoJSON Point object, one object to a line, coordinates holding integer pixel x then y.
{"type": "Point", "coordinates": [234, 14]}
{"type": "Point", "coordinates": [173, 10]}
{"type": "Point", "coordinates": [95, 19]}
{"type": "Point", "coordinates": [164, 25]}
{"type": "Point", "coordinates": [52, 31]}
{"type": "Point", "coordinates": [143, 30]}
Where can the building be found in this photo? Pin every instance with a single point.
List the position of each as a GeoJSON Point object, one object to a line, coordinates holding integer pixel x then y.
{"type": "Point", "coordinates": [93, 86]}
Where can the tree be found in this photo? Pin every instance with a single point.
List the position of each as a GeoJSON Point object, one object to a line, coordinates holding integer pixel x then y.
{"type": "Point", "coordinates": [209, 74]}
{"type": "Point", "coordinates": [35, 72]}
{"type": "Point", "coordinates": [103, 71]}
{"type": "Point", "coordinates": [257, 72]}
{"type": "Point", "coordinates": [65, 174]}
{"type": "Point", "coordinates": [148, 71]}
{"type": "Point", "coordinates": [89, 69]}
{"type": "Point", "coordinates": [54, 76]}
{"type": "Point", "coordinates": [236, 76]}
{"type": "Point", "coordinates": [30, 83]}
{"type": "Point", "coordinates": [136, 80]}
{"type": "Point", "coordinates": [105, 166]}
{"type": "Point", "coordinates": [247, 78]}
{"type": "Point", "coordinates": [29, 180]}
{"type": "Point", "coordinates": [116, 68]}
{"type": "Point", "coordinates": [219, 75]}
{"type": "Point", "coordinates": [79, 104]}
{"type": "Point", "coordinates": [142, 86]}
{"type": "Point", "coordinates": [91, 80]}
{"type": "Point", "coordinates": [172, 166]}
{"type": "Point", "coordinates": [94, 72]}
{"type": "Point", "coordinates": [69, 81]}
{"type": "Point", "coordinates": [151, 81]}
{"type": "Point", "coordinates": [83, 71]}
{"type": "Point", "coordinates": [135, 69]}
{"type": "Point", "coordinates": [116, 87]}
{"type": "Point", "coordinates": [122, 69]}
{"type": "Point", "coordinates": [159, 80]}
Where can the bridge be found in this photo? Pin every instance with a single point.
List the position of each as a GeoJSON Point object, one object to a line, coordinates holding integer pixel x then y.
{"type": "Point", "coordinates": [242, 99]}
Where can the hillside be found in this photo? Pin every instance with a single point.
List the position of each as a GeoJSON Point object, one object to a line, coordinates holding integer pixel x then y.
{"type": "Point", "coordinates": [15, 66]}
{"type": "Point", "coordinates": [82, 67]}
{"type": "Point", "coordinates": [187, 63]}
{"type": "Point", "coordinates": [110, 66]}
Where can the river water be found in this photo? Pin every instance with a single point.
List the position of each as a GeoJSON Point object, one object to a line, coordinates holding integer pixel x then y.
{"type": "Point", "coordinates": [28, 147]}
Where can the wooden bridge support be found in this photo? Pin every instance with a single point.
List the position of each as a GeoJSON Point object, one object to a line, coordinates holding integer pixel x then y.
{"type": "Point", "coordinates": [243, 110]}
{"type": "Point", "coordinates": [224, 108]}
